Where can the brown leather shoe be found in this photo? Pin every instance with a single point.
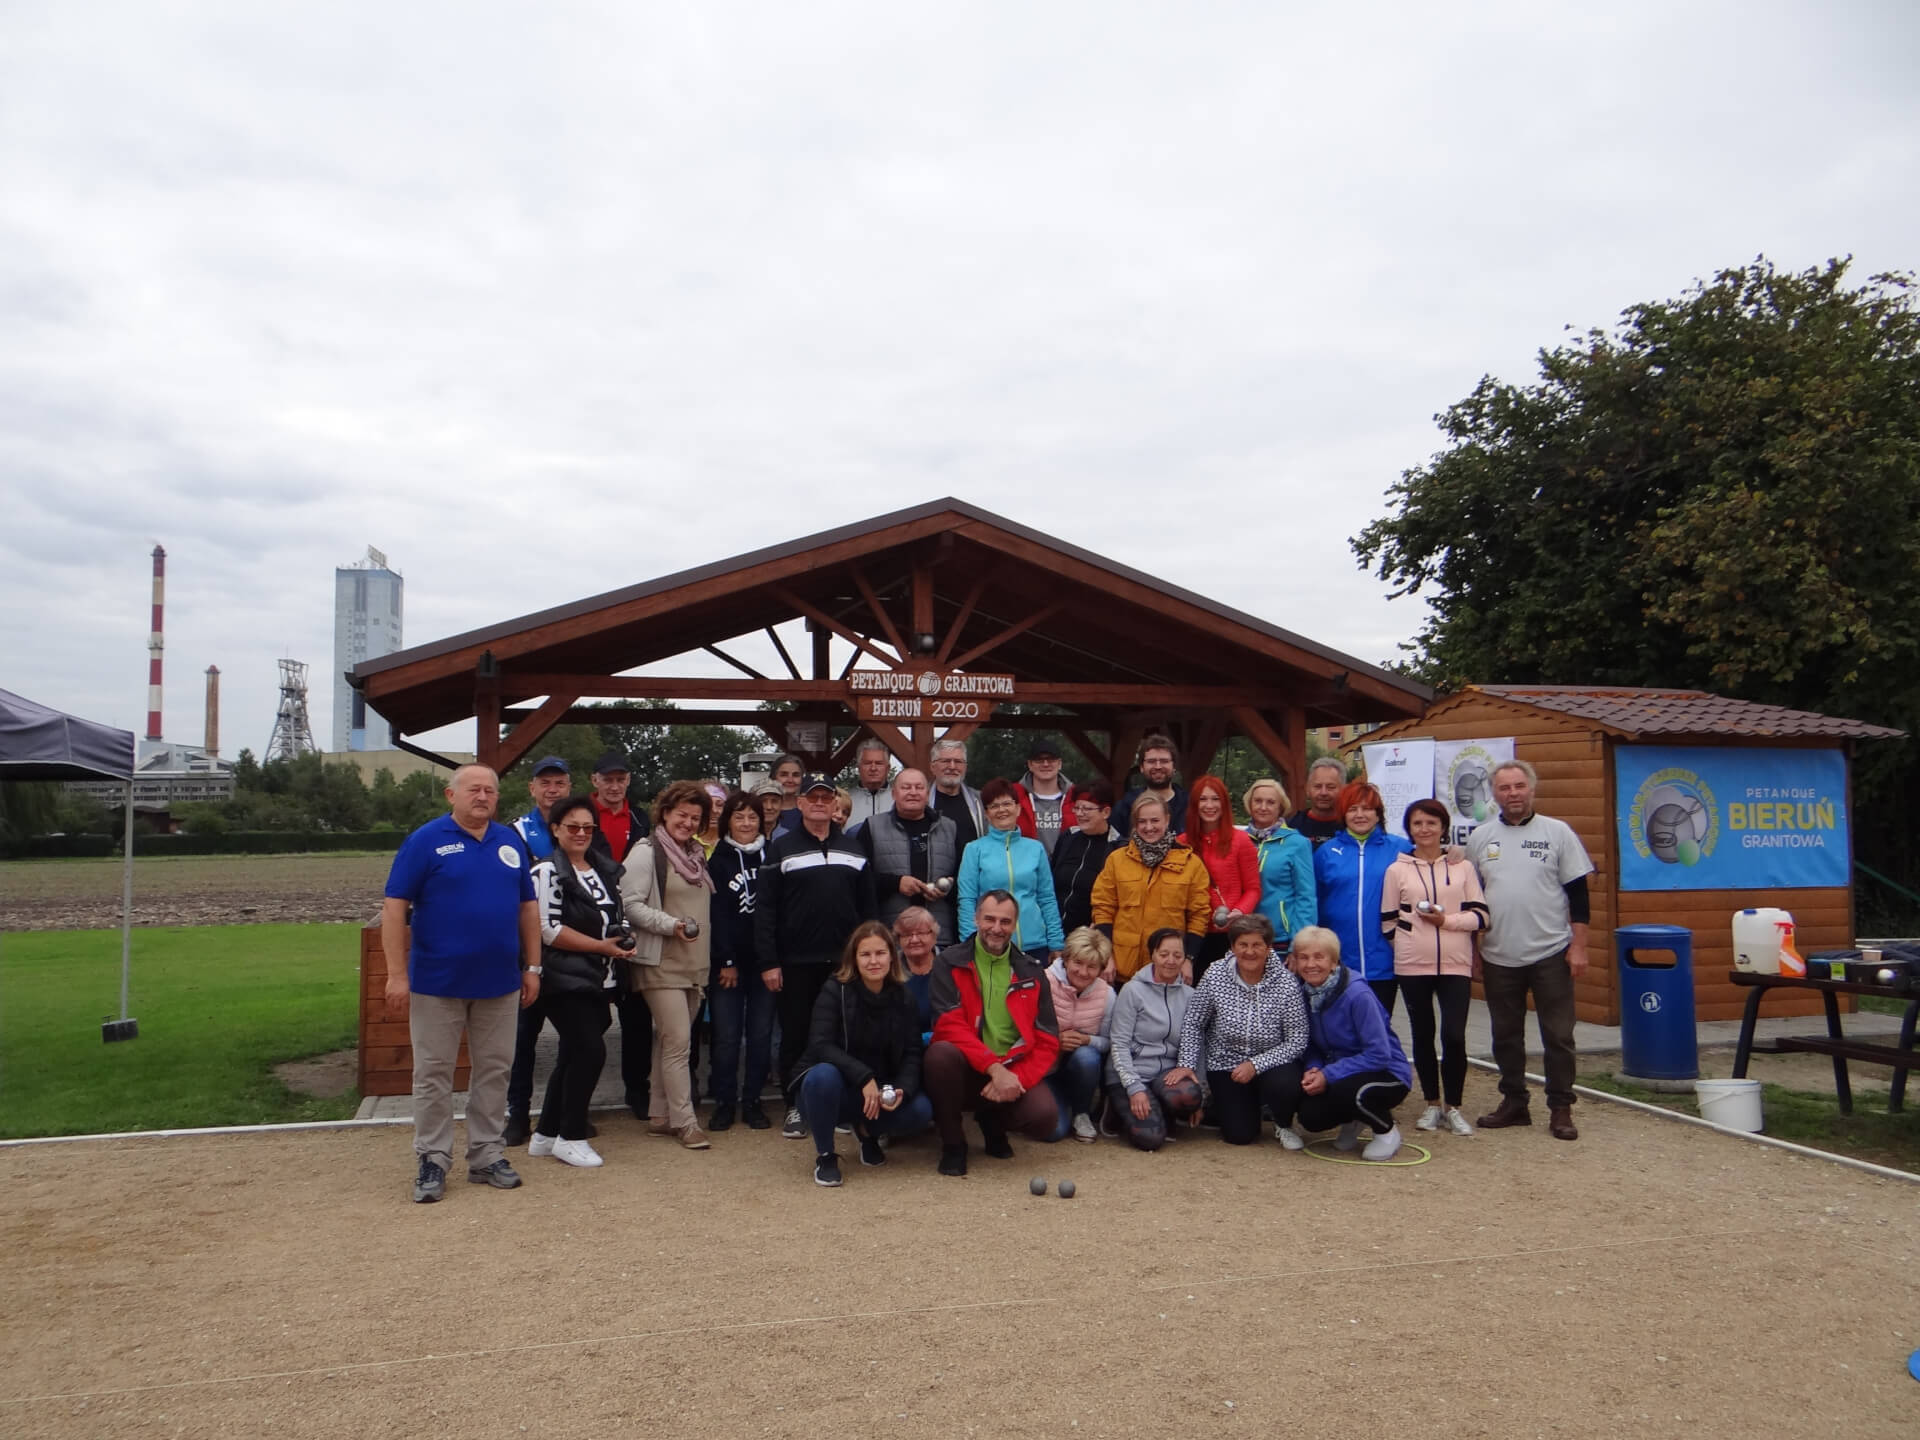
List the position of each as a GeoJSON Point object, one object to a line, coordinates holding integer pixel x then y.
{"type": "Point", "coordinates": [1560, 1123]}
{"type": "Point", "coordinates": [1511, 1111]}
{"type": "Point", "coordinates": [694, 1138]}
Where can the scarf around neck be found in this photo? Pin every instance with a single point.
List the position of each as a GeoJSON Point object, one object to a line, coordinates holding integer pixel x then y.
{"type": "Point", "coordinates": [688, 862]}
{"type": "Point", "coordinates": [1153, 852]}
{"type": "Point", "coordinates": [1318, 995]}
{"type": "Point", "coordinates": [1260, 836]}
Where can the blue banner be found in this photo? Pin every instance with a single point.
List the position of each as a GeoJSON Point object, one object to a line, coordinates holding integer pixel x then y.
{"type": "Point", "coordinates": [1730, 818]}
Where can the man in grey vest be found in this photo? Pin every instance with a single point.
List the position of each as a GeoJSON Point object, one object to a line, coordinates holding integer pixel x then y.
{"type": "Point", "coordinates": [914, 851]}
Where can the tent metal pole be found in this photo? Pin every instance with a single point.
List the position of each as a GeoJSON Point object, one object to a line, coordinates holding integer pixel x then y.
{"type": "Point", "coordinates": [126, 905]}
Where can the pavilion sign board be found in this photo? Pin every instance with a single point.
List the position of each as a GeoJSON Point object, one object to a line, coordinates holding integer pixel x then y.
{"type": "Point", "coordinates": [929, 696]}
{"type": "Point", "coordinates": [1731, 818]}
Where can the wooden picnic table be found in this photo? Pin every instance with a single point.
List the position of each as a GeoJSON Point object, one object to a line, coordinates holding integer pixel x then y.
{"type": "Point", "coordinates": [1899, 1056]}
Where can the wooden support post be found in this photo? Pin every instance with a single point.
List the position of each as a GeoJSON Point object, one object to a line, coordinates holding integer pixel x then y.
{"type": "Point", "coordinates": [1127, 733]}
{"type": "Point", "coordinates": [847, 749]}
{"type": "Point", "coordinates": [524, 736]}
{"type": "Point", "coordinates": [922, 617]}
{"type": "Point", "coordinates": [1101, 761]}
{"type": "Point", "coordinates": [822, 651]}
{"type": "Point", "coordinates": [895, 739]}
{"type": "Point", "coordinates": [1293, 729]}
{"type": "Point", "coordinates": [486, 714]}
{"type": "Point", "coordinates": [1272, 745]}
{"type": "Point", "coordinates": [1204, 736]}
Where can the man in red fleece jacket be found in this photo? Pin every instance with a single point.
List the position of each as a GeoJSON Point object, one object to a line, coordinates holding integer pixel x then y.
{"type": "Point", "coordinates": [994, 1038]}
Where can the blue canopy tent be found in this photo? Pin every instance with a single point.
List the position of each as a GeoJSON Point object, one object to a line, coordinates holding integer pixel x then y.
{"type": "Point", "coordinates": [38, 743]}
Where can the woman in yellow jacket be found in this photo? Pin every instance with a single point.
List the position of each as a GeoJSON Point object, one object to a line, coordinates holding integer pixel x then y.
{"type": "Point", "coordinates": [1151, 883]}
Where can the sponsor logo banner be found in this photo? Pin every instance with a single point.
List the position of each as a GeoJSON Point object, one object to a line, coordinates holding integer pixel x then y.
{"type": "Point", "coordinates": [1730, 819]}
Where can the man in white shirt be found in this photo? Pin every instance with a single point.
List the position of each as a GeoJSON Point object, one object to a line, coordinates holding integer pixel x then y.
{"type": "Point", "coordinates": [1534, 870]}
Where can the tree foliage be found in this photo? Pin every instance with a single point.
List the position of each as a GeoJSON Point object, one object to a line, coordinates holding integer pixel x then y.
{"type": "Point", "coordinates": [1722, 492]}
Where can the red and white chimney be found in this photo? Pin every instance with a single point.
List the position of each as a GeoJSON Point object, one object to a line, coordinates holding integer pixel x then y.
{"type": "Point", "coordinates": [155, 643]}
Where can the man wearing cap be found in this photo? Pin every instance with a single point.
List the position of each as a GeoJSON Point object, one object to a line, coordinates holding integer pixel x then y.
{"type": "Point", "coordinates": [872, 796]}
{"type": "Point", "coordinates": [815, 886]}
{"type": "Point", "coordinates": [552, 778]}
{"type": "Point", "coordinates": [1042, 793]}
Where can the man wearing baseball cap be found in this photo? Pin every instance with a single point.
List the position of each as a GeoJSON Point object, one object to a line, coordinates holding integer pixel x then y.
{"type": "Point", "coordinates": [552, 779]}
{"type": "Point", "coordinates": [621, 827]}
{"type": "Point", "coordinates": [1042, 793]}
{"type": "Point", "coordinates": [815, 886]}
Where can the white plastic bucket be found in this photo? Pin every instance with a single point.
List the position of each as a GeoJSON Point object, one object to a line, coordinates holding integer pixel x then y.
{"type": "Point", "coordinates": [1732, 1103]}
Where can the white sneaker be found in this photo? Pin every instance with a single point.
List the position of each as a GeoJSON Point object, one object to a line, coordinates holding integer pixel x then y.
{"type": "Point", "coordinates": [1289, 1138]}
{"type": "Point", "coordinates": [1083, 1130]}
{"type": "Point", "coordinates": [1349, 1136]}
{"type": "Point", "coordinates": [577, 1152]}
{"type": "Point", "coordinates": [1457, 1122]}
{"type": "Point", "coordinates": [539, 1146]}
{"type": "Point", "coordinates": [1383, 1147]}
{"type": "Point", "coordinates": [1430, 1118]}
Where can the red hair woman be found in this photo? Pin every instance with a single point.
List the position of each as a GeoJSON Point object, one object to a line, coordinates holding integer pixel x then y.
{"type": "Point", "coordinates": [1233, 866]}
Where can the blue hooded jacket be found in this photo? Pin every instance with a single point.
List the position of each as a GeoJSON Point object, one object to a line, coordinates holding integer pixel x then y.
{"type": "Point", "coordinates": [1349, 1034]}
{"type": "Point", "coordinates": [1350, 875]}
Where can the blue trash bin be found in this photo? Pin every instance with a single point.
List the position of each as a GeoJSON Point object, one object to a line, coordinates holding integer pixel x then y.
{"type": "Point", "coordinates": [1657, 1036]}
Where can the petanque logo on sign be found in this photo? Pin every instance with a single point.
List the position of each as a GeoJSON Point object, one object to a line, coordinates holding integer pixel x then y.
{"type": "Point", "coordinates": [1467, 785]}
{"type": "Point", "coordinates": [1650, 1003]}
{"type": "Point", "coordinates": [1674, 818]}
{"type": "Point", "coordinates": [929, 683]}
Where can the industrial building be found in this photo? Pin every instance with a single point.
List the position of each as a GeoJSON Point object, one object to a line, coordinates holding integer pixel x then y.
{"type": "Point", "coordinates": [367, 612]}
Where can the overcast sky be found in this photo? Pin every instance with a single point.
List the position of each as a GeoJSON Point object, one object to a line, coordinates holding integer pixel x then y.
{"type": "Point", "coordinates": [544, 300]}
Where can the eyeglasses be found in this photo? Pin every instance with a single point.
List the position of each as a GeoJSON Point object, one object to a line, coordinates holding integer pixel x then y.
{"type": "Point", "coordinates": [578, 829]}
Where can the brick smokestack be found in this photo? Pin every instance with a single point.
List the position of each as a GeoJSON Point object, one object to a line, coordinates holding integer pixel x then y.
{"type": "Point", "coordinates": [155, 643]}
{"type": "Point", "coordinates": [213, 710]}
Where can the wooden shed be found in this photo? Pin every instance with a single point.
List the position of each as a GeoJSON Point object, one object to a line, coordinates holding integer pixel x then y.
{"type": "Point", "coordinates": [1658, 846]}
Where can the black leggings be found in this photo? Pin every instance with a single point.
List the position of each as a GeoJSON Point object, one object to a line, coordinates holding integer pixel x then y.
{"type": "Point", "coordinates": [1455, 994]}
{"type": "Point", "coordinates": [1369, 1096]}
{"type": "Point", "coordinates": [1238, 1106]}
{"type": "Point", "coordinates": [581, 1018]}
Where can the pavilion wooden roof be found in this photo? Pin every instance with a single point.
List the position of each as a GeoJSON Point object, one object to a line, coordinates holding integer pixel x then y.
{"type": "Point", "coordinates": [1099, 622]}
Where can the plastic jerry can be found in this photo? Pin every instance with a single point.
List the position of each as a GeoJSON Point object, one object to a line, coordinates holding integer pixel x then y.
{"type": "Point", "coordinates": [1759, 938]}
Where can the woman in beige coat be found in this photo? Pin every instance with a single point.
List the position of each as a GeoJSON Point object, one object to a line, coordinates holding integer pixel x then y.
{"type": "Point", "coordinates": [667, 895]}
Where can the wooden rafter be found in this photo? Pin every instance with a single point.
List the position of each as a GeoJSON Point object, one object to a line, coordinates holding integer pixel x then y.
{"type": "Point", "coordinates": [526, 734]}
{"type": "Point", "coordinates": [1101, 761]}
{"type": "Point", "coordinates": [879, 611]}
{"type": "Point", "coordinates": [740, 665]}
{"type": "Point", "coordinates": [961, 618]}
{"type": "Point", "coordinates": [774, 636]}
{"type": "Point", "coordinates": [1152, 698]}
{"type": "Point", "coordinates": [1020, 627]}
{"type": "Point", "coordinates": [821, 618]}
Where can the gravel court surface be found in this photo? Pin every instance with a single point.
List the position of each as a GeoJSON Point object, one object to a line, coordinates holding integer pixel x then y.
{"type": "Point", "coordinates": [1650, 1279]}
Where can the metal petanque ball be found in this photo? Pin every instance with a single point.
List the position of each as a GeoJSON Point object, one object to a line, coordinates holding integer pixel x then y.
{"type": "Point", "coordinates": [1037, 1185]}
{"type": "Point", "coordinates": [1066, 1189]}
{"type": "Point", "coordinates": [1884, 977]}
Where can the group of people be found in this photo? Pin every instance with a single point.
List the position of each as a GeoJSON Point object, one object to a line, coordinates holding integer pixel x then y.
{"type": "Point", "coordinates": [1043, 956]}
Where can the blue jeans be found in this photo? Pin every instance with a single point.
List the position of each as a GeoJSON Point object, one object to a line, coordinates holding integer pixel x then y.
{"type": "Point", "coordinates": [1074, 1082]}
{"type": "Point", "coordinates": [827, 1100]}
{"type": "Point", "coordinates": [746, 1011]}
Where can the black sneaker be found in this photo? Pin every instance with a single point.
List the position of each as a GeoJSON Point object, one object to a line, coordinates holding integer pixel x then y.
{"type": "Point", "coordinates": [756, 1116]}
{"type": "Point", "coordinates": [826, 1169]}
{"type": "Point", "coordinates": [500, 1175]}
{"type": "Point", "coordinates": [516, 1132]}
{"type": "Point", "coordinates": [870, 1151]}
{"type": "Point", "coordinates": [996, 1143]}
{"type": "Point", "coordinates": [953, 1159]}
{"type": "Point", "coordinates": [795, 1128]}
{"type": "Point", "coordinates": [430, 1184]}
{"type": "Point", "coordinates": [722, 1117]}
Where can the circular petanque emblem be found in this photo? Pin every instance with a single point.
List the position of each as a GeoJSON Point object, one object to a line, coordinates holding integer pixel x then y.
{"type": "Point", "coordinates": [510, 856]}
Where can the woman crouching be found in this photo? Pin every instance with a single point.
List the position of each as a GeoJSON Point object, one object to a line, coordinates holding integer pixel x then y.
{"type": "Point", "coordinates": [862, 1062]}
{"type": "Point", "coordinates": [1246, 1023]}
{"type": "Point", "coordinates": [1356, 1070]}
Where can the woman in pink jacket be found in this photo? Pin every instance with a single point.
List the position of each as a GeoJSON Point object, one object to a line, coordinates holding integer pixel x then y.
{"type": "Point", "coordinates": [1433, 907]}
{"type": "Point", "coordinates": [1083, 1009]}
{"type": "Point", "coordinates": [1233, 866]}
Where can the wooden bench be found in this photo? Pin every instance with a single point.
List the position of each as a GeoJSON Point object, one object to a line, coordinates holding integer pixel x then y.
{"type": "Point", "coordinates": [1899, 1056]}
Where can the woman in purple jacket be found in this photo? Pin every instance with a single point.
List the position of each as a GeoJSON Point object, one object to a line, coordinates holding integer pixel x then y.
{"type": "Point", "coordinates": [1356, 1070]}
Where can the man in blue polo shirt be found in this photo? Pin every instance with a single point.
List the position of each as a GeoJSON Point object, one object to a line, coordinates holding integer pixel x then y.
{"type": "Point", "coordinates": [462, 939]}
{"type": "Point", "coordinates": [552, 779]}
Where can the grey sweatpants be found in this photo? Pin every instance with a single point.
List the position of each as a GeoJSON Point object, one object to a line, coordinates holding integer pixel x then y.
{"type": "Point", "coordinates": [436, 1023]}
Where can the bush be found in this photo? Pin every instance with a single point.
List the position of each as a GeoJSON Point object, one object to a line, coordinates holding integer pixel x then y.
{"type": "Point", "coordinates": [61, 847]}
{"type": "Point", "coordinates": [238, 842]}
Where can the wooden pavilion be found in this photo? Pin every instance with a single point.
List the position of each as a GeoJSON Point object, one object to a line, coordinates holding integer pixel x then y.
{"type": "Point", "coordinates": [945, 614]}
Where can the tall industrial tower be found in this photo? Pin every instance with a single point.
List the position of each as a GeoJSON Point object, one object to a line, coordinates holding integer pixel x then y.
{"type": "Point", "coordinates": [366, 625]}
{"type": "Point", "coordinates": [156, 642]}
{"type": "Point", "coordinates": [292, 731]}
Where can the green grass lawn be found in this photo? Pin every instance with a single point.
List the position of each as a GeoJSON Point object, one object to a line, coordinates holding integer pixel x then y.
{"type": "Point", "coordinates": [1809, 1118]}
{"type": "Point", "coordinates": [218, 1007]}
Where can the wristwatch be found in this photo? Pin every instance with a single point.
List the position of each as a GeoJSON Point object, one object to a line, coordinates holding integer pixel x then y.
{"type": "Point", "coordinates": [530, 969]}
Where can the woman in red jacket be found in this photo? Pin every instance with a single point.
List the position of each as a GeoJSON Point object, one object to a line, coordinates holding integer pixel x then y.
{"type": "Point", "coordinates": [1233, 867]}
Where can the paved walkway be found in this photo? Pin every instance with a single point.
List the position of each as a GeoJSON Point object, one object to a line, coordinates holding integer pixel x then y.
{"type": "Point", "coordinates": [1590, 1040]}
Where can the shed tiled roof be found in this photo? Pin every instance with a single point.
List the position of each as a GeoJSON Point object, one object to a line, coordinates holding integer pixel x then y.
{"type": "Point", "coordinates": [1636, 711]}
